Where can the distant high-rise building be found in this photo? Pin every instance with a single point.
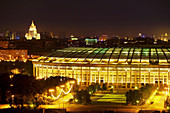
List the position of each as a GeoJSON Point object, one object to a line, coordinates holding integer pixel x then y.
{"type": "Point", "coordinates": [51, 35]}
{"type": "Point", "coordinates": [32, 33]}
{"type": "Point", "coordinates": [163, 37]}
{"type": "Point", "coordinates": [140, 35]}
{"type": "Point", "coordinates": [8, 35]}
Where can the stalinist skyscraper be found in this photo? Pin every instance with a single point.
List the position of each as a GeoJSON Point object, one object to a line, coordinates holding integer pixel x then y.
{"type": "Point", "coordinates": [32, 33]}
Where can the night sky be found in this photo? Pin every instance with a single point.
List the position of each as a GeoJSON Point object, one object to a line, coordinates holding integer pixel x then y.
{"type": "Point", "coordinates": [87, 17]}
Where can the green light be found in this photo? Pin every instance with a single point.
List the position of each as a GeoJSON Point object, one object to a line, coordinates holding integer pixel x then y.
{"type": "Point", "coordinates": [102, 51]}
{"type": "Point", "coordinates": [96, 51]}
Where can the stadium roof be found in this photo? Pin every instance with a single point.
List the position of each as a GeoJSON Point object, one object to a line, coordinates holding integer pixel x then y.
{"type": "Point", "coordinates": [116, 55]}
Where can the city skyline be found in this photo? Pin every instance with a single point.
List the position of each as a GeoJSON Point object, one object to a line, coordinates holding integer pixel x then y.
{"type": "Point", "coordinates": [122, 18]}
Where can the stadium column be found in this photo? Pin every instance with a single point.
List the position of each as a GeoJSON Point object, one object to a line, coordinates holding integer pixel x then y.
{"type": "Point", "coordinates": [149, 76]}
{"type": "Point", "coordinates": [135, 78]}
{"type": "Point", "coordinates": [38, 71]}
{"type": "Point", "coordinates": [144, 79]}
{"type": "Point", "coordinates": [126, 77]}
{"type": "Point", "coordinates": [73, 73]}
{"type": "Point", "coordinates": [163, 78]}
{"type": "Point", "coordinates": [159, 77]}
{"type": "Point", "coordinates": [168, 78]}
{"type": "Point", "coordinates": [42, 71]}
{"type": "Point", "coordinates": [34, 66]}
{"type": "Point", "coordinates": [99, 75]}
{"type": "Point", "coordinates": [66, 71]}
{"type": "Point", "coordinates": [140, 81]}
{"type": "Point", "coordinates": [47, 72]}
{"type": "Point", "coordinates": [58, 70]}
{"type": "Point", "coordinates": [154, 79]}
{"type": "Point", "coordinates": [107, 76]}
{"type": "Point", "coordinates": [116, 77]}
{"type": "Point", "coordinates": [81, 79]}
{"type": "Point", "coordinates": [52, 70]}
{"type": "Point", "coordinates": [130, 77]}
{"type": "Point", "coordinates": [90, 76]}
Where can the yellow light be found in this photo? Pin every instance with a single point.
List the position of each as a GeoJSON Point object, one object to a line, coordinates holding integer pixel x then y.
{"type": "Point", "coordinates": [31, 105]}
{"type": "Point", "coordinates": [137, 101]}
{"type": "Point", "coordinates": [136, 87]}
{"type": "Point", "coordinates": [72, 82]}
{"type": "Point", "coordinates": [15, 71]}
{"type": "Point", "coordinates": [51, 90]}
{"type": "Point", "coordinates": [11, 76]}
{"type": "Point", "coordinates": [62, 86]}
{"type": "Point", "coordinates": [76, 100]}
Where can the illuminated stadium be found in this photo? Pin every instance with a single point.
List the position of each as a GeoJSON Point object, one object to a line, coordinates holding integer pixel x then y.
{"type": "Point", "coordinates": [123, 67]}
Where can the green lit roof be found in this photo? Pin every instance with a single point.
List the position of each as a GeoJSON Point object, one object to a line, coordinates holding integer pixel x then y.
{"type": "Point", "coordinates": [116, 55]}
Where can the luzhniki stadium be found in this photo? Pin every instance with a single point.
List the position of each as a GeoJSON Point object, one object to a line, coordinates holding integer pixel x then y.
{"type": "Point", "coordinates": [123, 67]}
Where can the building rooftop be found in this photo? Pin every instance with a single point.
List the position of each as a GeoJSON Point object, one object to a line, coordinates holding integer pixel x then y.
{"type": "Point", "coordinates": [115, 55]}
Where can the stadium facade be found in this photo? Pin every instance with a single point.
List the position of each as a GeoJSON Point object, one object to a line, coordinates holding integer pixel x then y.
{"type": "Point", "coordinates": [123, 67]}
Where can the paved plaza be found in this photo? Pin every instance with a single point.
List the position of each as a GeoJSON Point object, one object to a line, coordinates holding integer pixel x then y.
{"type": "Point", "coordinates": [112, 98]}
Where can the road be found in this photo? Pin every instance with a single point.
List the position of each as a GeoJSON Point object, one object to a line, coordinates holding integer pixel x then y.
{"type": "Point", "coordinates": [60, 103]}
{"type": "Point", "coordinates": [158, 101]}
{"type": "Point", "coordinates": [88, 108]}
{"type": "Point", "coordinates": [3, 106]}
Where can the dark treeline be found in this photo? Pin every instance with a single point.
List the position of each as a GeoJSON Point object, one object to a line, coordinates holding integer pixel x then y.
{"type": "Point", "coordinates": [139, 96]}
{"type": "Point", "coordinates": [25, 87]}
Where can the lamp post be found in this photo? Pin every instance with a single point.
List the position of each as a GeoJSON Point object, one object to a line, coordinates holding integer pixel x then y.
{"type": "Point", "coordinates": [12, 99]}
{"type": "Point", "coordinates": [51, 90]}
{"type": "Point", "coordinates": [137, 103]}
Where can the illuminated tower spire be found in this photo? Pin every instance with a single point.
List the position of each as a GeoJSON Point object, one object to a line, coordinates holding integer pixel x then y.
{"type": "Point", "coordinates": [32, 32]}
{"type": "Point", "coordinates": [32, 23]}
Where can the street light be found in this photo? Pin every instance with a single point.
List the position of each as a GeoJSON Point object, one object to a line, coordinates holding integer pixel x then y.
{"type": "Point", "coordinates": [51, 90]}
{"type": "Point", "coordinates": [72, 82]}
{"type": "Point", "coordinates": [137, 103]}
{"type": "Point", "coordinates": [76, 100]}
{"type": "Point", "coordinates": [12, 99]}
{"type": "Point", "coordinates": [62, 86]}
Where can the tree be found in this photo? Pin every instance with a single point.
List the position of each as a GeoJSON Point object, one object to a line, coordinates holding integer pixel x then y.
{"type": "Point", "coordinates": [129, 96]}
{"type": "Point", "coordinates": [83, 97]}
{"type": "Point", "coordinates": [138, 95]}
{"type": "Point", "coordinates": [4, 86]}
{"type": "Point", "coordinates": [24, 87]}
{"type": "Point", "coordinates": [104, 87]}
{"type": "Point", "coordinates": [93, 88]}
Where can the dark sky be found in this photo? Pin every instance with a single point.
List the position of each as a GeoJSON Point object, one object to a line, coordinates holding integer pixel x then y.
{"type": "Point", "coordinates": [95, 17]}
